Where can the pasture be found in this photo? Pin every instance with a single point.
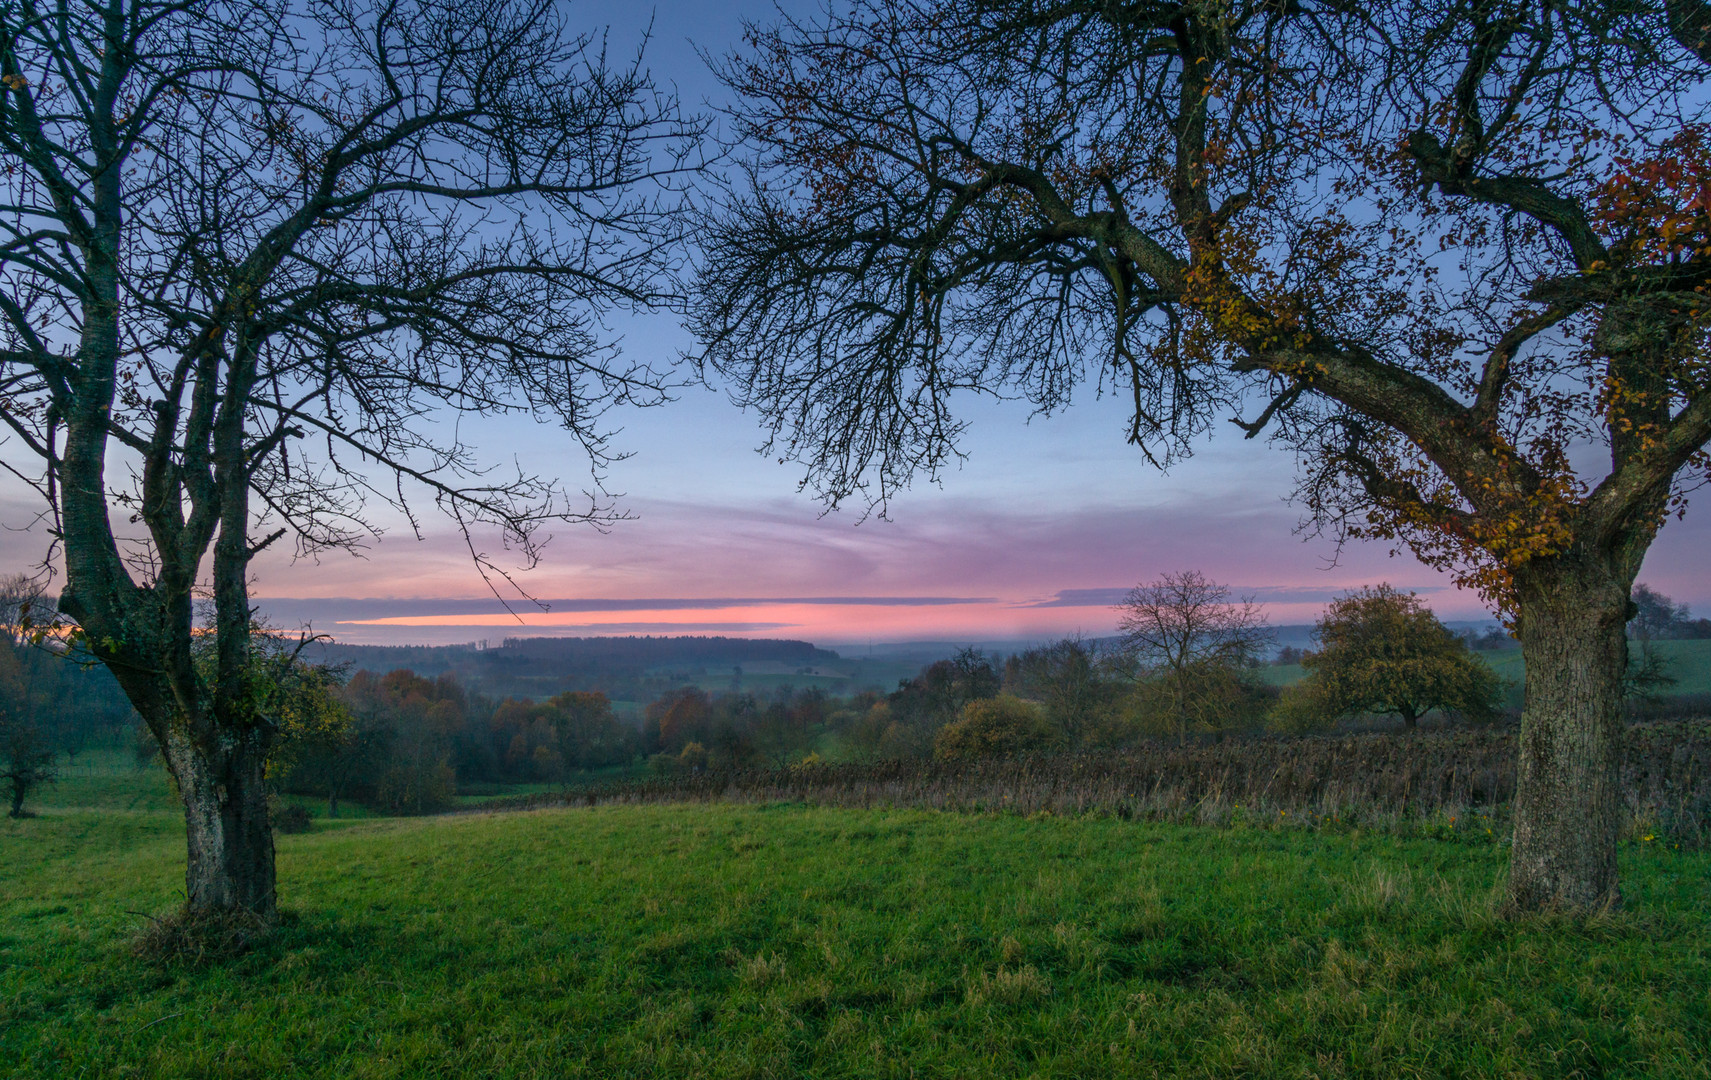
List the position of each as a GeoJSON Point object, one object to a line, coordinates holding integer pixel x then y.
{"type": "Point", "coordinates": [787, 941]}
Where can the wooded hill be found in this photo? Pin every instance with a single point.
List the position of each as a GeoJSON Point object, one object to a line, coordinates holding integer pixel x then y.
{"type": "Point", "coordinates": [623, 668]}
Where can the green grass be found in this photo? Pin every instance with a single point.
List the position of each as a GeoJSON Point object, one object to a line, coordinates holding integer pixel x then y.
{"type": "Point", "coordinates": [1281, 674]}
{"type": "Point", "coordinates": [107, 780]}
{"type": "Point", "coordinates": [1689, 663]}
{"type": "Point", "coordinates": [791, 942]}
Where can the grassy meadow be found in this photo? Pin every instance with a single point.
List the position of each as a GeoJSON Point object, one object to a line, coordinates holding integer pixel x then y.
{"type": "Point", "coordinates": [1687, 662]}
{"type": "Point", "coordinates": [784, 941]}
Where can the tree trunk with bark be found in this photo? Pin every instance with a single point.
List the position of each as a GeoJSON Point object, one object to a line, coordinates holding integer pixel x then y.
{"type": "Point", "coordinates": [229, 867]}
{"type": "Point", "coordinates": [1568, 809]}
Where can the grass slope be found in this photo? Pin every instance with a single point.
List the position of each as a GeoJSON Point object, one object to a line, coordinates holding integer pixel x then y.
{"type": "Point", "coordinates": [790, 942]}
{"type": "Point", "coordinates": [1687, 662]}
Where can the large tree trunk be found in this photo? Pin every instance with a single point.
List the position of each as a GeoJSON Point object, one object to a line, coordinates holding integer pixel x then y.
{"type": "Point", "coordinates": [1568, 809]}
{"type": "Point", "coordinates": [229, 867]}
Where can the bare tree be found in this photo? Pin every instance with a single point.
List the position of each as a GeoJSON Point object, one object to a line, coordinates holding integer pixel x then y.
{"type": "Point", "coordinates": [1067, 677]}
{"type": "Point", "coordinates": [26, 755]}
{"type": "Point", "coordinates": [1184, 625]}
{"type": "Point", "coordinates": [24, 605]}
{"type": "Point", "coordinates": [256, 258]}
{"type": "Point", "coordinates": [1435, 248]}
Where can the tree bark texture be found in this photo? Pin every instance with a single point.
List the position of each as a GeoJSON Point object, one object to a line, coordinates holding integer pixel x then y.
{"type": "Point", "coordinates": [229, 867]}
{"type": "Point", "coordinates": [1568, 810]}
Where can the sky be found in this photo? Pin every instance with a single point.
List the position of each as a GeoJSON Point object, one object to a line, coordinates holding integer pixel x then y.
{"type": "Point", "coordinates": [1043, 527]}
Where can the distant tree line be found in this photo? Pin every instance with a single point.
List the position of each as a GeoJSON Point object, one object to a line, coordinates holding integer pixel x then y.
{"type": "Point", "coordinates": [622, 668]}
{"type": "Point", "coordinates": [1189, 665]}
{"type": "Point", "coordinates": [691, 729]}
{"type": "Point", "coordinates": [408, 744]}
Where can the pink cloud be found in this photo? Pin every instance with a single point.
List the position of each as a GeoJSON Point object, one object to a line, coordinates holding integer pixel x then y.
{"type": "Point", "coordinates": [1027, 564]}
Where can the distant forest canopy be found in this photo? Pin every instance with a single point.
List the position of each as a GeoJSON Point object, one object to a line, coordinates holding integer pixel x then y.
{"type": "Point", "coordinates": [77, 706]}
{"type": "Point", "coordinates": [634, 669]}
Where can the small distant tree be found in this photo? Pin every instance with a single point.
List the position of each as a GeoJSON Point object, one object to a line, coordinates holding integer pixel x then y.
{"type": "Point", "coordinates": [26, 756]}
{"type": "Point", "coordinates": [1210, 697]}
{"type": "Point", "coordinates": [920, 707]}
{"type": "Point", "coordinates": [321, 742]}
{"type": "Point", "coordinates": [335, 761]}
{"type": "Point", "coordinates": [865, 733]}
{"type": "Point", "coordinates": [1001, 726]}
{"type": "Point", "coordinates": [1182, 628]}
{"type": "Point", "coordinates": [26, 761]}
{"type": "Point", "coordinates": [730, 738]}
{"type": "Point", "coordinates": [779, 734]}
{"type": "Point", "coordinates": [677, 718]}
{"type": "Point", "coordinates": [1383, 651]}
{"type": "Point", "coordinates": [1065, 677]}
{"type": "Point", "coordinates": [587, 733]}
{"type": "Point", "coordinates": [1657, 617]}
{"type": "Point", "coordinates": [949, 685]}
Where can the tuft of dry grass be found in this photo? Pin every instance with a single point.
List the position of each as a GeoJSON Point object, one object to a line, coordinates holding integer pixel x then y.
{"type": "Point", "coordinates": [759, 971]}
{"type": "Point", "coordinates": [194, 938]}
{"type": "Point", "coordinates": [1008, 987]}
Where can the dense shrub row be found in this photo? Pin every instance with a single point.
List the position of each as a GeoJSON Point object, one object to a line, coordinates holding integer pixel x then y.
{"type": "Point", "coordinates": [1444, 776]}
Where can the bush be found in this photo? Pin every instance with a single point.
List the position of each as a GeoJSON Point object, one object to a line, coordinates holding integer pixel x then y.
{"type": "Point", "coordinates": [289, 817]}
{"type": "Point", "coordinates": [1301, 709]}
{"type": "Point", "coordinates": [416, 785]}
{"type": "Point", "coordinates": [693, 757]}
{"type": "Point", "coordinates": [1209, 697]}
{"type": "Point", "coordinates": [1002, 726]}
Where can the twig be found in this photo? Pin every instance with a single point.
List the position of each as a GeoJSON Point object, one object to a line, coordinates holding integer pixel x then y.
{"type": "Point", "coordinates": [157, 1020]}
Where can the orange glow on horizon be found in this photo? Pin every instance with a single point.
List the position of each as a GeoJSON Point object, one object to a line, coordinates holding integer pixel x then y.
{"type": "Point", "coordinates": [812, 621]}
{"type": "Point", "coordinates": [1015, 619]}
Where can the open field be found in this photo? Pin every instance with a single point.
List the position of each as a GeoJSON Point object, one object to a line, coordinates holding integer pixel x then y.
{"type": "Point", "coordinates": [1688, 663]}
{"type": "Point", "coordinates": [730, 941]}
